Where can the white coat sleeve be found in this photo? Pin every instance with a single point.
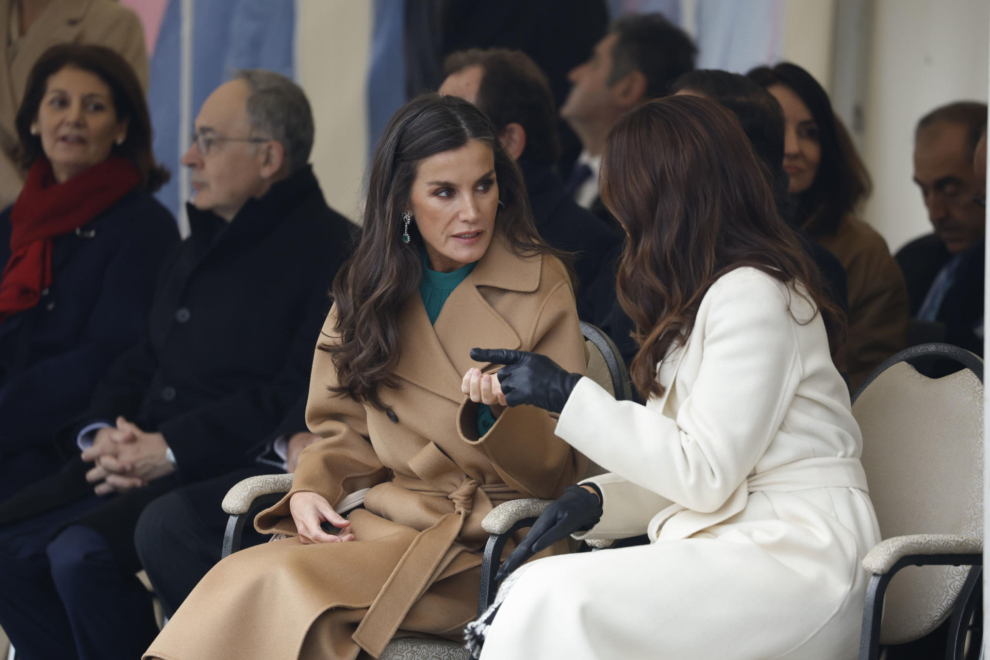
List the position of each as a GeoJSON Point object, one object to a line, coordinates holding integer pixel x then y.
{"type": "Point", "coordinates": [746, 381]}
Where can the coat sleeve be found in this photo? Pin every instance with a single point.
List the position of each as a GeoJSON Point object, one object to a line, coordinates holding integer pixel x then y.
{"type": "Point", "coordinates": [50, 392]}
{"type": "Point", "coordinates": [521, 444]}
{"type": "Point", "coordinates": [344, 460]}
{"type": "Point", "coordinates": [215, 438]}
{"type": "Point", "coordinates": [746, 381]}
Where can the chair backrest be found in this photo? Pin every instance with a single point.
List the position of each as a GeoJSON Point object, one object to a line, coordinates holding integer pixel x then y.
{"type": "Point", "coordinates": [605, 367]}
{"type": "Point", "coordinates": [923, 456]}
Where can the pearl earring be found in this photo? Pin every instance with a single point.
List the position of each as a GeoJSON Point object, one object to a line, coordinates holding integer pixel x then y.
{"type": "Point", "coordinates": [406, 218]}
{"type": "Point", "coordinates": [120, 141]}
{"type": "Point", "coordinates": [34, 130]}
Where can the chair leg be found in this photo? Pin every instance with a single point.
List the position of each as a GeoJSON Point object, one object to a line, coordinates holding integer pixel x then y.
{"type": "Point", "coordinates": [869, 644]}
{"type": "Point", "coordinates": [967, 602]}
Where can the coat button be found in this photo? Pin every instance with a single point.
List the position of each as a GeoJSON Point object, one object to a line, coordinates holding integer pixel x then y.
{"type": "Point", "coordinates": [182, 315]}
{"type": "Point", "coordinates": [168, 393]}
{"type": "Point", "coordinates": [85, 233]}
{"type": "Point", "coordinates": [50, 306]}
{"type": "Point", "coordinates": [392, 417]}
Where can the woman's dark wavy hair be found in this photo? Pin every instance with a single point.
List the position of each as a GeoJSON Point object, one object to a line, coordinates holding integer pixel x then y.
{"type": "Point", "coordinates": [377, 280]}
{"type": "Point", "coordinates": [682, 178]}
{"type": "Point", "coordinates": [842, 181]}
{"type": "Point", "coordinates": [128, 101]}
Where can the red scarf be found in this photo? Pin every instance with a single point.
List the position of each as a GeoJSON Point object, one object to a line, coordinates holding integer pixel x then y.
{"type": "Point", "coordinates": [45, 210]}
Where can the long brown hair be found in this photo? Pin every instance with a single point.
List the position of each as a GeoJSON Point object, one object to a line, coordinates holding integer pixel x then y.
{"type": "Point", "coordinates": [842, 181]}
{"type": "Point", "coordinates": [373, 285]}
{"type": "Point", "coordinates": [682, 178]}
{"type": "Point", "coordinates": [128, 102]}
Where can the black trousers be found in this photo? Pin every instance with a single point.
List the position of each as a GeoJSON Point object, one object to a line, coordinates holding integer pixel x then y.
{"type": "Point", "coordinates": [64, 593]}
{"type": "Point", "coordinates": [179, 536]}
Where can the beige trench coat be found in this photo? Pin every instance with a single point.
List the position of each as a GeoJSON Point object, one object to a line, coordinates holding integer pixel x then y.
{"type": "Point", "coordinates": [415, 564]}
{"type": "Point", "coordinates": [98, 22]}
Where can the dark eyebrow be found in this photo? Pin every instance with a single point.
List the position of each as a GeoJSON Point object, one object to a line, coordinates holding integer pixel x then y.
{"type": "Point", "coordinates": [450, 184]}
{"type": "Point", "coordinates": [807, 121]}
{"type": "Point", "coordinates": [946, 180]}
{"type": "Point", "coordinates": [204, 129]}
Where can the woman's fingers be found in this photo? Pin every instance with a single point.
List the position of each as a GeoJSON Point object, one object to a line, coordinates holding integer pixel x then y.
{"type": "Point", "coordinates": [332, 516]}
{"type": "Point", "coordinates": [96, 474]}
{"type": "Point", "coordinates": [497, 391]}
{"type": "Point", "coordinates": [487, 396]}
{"type": "Point", "coordinates": [466, 382]}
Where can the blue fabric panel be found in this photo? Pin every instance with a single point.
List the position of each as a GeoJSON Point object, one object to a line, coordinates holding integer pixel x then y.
{"type": "Point", "coordinates": [737, 36]}
{"type": "Point", "coordinates": [386, 83]}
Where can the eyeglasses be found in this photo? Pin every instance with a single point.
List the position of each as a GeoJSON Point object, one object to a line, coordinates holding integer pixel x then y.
{"type": "Point", "coordinates": [204, 142]}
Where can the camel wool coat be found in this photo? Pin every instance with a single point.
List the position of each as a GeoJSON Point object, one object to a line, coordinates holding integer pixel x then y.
{"type": "Point", "coordinates": [96, 22]}
{"type": "Point", "coordinates": [414, 566]}
{"type": "Point", "coordinates": [745, 476]}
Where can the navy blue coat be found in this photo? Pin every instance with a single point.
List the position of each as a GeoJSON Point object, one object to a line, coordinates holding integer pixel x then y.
{"type": "Point", "coordinates": [103, 280]}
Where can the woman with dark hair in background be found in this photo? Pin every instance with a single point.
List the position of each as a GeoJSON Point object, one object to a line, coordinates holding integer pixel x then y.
{"type": "Point", "coordinates": [743, 467]}
{"type": "Point", "coordinates": [827, 183]}
{"type": "Point", "coordinates": [82, 247]}
{"type": "Point", "coordinates": [448, 254]}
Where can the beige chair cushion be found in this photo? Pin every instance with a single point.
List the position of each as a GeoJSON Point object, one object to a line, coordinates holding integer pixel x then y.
{"type": "Point", "coordinates": [410, 648]}
{"type": "Point", "coordinates": [923, 455]}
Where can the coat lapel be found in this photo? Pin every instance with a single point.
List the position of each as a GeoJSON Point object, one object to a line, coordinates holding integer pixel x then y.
{"type": "Point", "coordinates": [436, 357]}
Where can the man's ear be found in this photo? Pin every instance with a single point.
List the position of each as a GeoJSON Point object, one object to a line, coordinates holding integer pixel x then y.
{"type": "Point", "coordinates": [513, 138]}
{"type": "Point", "coordinates": [631, 90]}
{"type": "Point", "coordinates": [273, 159]}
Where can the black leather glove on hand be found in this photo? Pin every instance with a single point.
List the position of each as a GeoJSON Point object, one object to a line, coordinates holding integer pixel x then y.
{"type": "Point", "coordinates": [577, 510]}
{"type": "Point", "coordinates": [530, 378]}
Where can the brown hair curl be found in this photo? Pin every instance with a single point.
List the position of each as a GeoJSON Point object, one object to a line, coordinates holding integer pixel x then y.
{"type": "Point", "coordinates": [682, 178]}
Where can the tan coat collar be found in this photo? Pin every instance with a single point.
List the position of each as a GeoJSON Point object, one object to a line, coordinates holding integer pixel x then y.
{"type": "Point", "coordinates": [436, 357]}
{"type": "Point", "coordinates": [61, 22]}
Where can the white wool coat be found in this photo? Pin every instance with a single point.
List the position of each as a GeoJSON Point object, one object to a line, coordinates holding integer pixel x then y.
{"type": "Point", "coordinates": [746, 477]}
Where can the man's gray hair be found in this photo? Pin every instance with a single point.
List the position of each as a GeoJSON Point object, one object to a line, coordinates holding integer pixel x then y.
{"type": "Point", "coordinates": [279, 109]}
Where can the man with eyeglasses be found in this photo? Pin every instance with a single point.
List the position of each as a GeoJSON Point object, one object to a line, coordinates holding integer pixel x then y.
{"type": "Point", "coordinates": [225, 359]}
{"type": "Point", "coordinates": [944, 270]}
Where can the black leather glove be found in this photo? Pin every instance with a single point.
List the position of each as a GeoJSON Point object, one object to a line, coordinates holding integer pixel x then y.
{"type": "Point", "coordinates": [577, 510]}
{"type": "Point", "coordinates": [530, 378]}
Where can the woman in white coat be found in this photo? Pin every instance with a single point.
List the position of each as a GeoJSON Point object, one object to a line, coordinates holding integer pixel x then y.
{"type": "Point", "coordinates": [742, 468]}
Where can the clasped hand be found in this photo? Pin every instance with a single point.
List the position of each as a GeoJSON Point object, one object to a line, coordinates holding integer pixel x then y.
{"type": "Point", "coordinates": [125, 457]}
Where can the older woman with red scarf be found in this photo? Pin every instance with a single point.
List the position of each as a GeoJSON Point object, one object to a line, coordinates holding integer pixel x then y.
{"type": "Point", "coordinates": [82, 247]}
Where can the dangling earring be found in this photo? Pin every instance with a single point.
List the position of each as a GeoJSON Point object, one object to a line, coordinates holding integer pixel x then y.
{"type": "Point", "coordinates": [406, 218]}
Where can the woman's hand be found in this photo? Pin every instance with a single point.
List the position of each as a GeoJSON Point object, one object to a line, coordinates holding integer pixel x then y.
{"type": "Point", "coordinates": [309, 511]}
{"type": "Point", "coordinates": [484, 388]}
{"type": "Point", "coordinates": [529, 378]}
{"type": "Point", "coordinates": [578, 510]}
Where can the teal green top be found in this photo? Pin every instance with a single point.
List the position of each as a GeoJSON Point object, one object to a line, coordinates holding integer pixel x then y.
{"type": "Point", "coordinates": [435, 288]}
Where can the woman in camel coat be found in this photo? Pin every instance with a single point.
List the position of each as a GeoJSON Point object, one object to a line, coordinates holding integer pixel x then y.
{"type": "Point", "coordinates": [743, 467]}
{"type": "Point", "coordinates": [446, 211]}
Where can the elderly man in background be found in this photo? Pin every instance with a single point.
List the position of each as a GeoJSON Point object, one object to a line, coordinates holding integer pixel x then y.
{"type": "Point", "coordinates": [29, 28]}
{"type": "Point", "coordinates": [511, 89]}
{"type": "Point", "coordinates": [226, 356]}
{"type": "Point", "coordinates": [944, 270]}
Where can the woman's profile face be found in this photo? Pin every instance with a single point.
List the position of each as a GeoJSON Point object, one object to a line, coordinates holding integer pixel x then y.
{"type": "Point", "coordinates": [802, 149]}
{"type": "Point", "coordinates": [453, 202]}
{"type": "Point", "coordinates": [77, 122]}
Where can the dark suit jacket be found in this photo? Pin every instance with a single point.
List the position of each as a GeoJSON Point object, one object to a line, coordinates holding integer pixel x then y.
{"type": "Point", "coordinates": [568, 227]}
{"type": "Point", "coordinates": [557, 34]}
{"type": "Point", "coordinates": [237, 312]}
{"type": "Point", "coordinates": [962, 309]}
{"type": "Point", "coordinates": [103, 281]}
